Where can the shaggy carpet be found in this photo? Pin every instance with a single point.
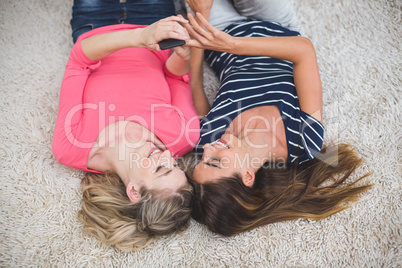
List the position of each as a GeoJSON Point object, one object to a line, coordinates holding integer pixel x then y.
{"type": "Point", "coordinates": [358, 43]}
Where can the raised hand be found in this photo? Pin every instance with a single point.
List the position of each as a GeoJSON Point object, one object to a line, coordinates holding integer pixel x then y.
{"type": "Point", "coordinates": [205, 36]}
{"type": "Point", "coordinates": [163, 29]}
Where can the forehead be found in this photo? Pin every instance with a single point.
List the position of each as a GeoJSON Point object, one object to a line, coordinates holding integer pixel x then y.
{"type": "Point", "coordinates": [204, 173]}
{"type": "Point", "coordinates": [173, 181]}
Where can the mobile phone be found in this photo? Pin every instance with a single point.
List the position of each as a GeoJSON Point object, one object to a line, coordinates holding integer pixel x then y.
{"type": "Point", "coordinates": [169, 43]}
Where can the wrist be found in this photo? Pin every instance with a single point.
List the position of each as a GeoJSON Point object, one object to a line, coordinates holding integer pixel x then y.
{"type": "Point", "coordinates": [234, 45]}
{"type": "Point", "coordinates": [177, 65]}
{"type": "Point", "coordinates": [137, 37]}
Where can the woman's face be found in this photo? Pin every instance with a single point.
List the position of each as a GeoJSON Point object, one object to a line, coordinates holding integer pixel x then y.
{"type": "Point", "coordinates": [221, 159]}
{"type": "Point", "coordinates": [155, 169]}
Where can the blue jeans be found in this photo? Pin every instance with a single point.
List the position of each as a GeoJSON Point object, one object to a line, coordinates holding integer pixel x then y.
{"type": "Point", "coordinates": [91, 14]}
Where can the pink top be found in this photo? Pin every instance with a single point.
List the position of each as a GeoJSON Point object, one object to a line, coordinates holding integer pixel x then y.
{"type": "Point", "coordinates": [130, 84]}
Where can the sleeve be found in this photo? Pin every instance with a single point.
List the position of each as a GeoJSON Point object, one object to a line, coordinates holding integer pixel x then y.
{"type": "Point", "coordinates": [312, 137]}
{"type": "Point", "coordinates": [71, 104]}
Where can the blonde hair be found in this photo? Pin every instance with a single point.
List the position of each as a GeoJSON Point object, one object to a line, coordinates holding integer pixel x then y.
{"type": "Point", "coordinates": [109, 215]}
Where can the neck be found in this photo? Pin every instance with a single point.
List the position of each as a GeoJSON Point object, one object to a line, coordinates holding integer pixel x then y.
{"type": "Point", "coordinates": [118, 161]}
{"type": "Point", "coordinates": [113, 150]}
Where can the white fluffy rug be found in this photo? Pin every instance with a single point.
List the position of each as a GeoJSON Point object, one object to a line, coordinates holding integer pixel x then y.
{"type": "Point", "coordinates": [358, 43]}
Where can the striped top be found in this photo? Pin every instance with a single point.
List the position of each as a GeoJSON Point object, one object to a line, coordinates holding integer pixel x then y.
{"type": "Point", "coordinates": [252, 81]}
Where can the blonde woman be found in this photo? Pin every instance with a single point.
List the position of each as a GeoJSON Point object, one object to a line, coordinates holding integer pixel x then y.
{"type": "Point", "coordinates": [125, 114]}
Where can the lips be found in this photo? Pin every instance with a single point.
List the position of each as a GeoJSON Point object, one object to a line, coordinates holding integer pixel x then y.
{"type": "Point", "coordinates": [223, 143]}
{"type": "Point", "coordinates": [153, 151]}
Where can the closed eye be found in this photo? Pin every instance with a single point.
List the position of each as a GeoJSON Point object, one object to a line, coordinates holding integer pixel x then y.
{"type": "Point", "coordinates": [163, 173]}
{"type": "Point", "coordinates": [166, 173]}
{"type": "Point", "coordinates": [158, 168]}
{"type": "Point", "coordinates": [212, 164]}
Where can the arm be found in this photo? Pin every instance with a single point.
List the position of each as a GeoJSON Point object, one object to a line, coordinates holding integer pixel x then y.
{"type": "Point", "coordinates": [177, 64]}
{"type": "Point", "coordinates": [102, 45]}
{"type": "Point", "coordinates": [99, 46]}
{"type": "Point", "coordinates": [200, 100]}
{"type": "Point", "coordinates": [64, 143]}
{"type": "Point", "coordinates": [298, 50]}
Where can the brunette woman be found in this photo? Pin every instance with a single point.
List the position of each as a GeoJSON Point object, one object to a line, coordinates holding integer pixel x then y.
{"type": "Point", "coordinates": [262, 140]}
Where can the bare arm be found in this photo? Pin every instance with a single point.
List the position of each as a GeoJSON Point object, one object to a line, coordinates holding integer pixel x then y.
{"type": "Point", "coordinates": [298, 50]}
{"type": "Point", "coordinates": [200, 100]}
{"type": "Point", "coordinates": [99, 46]}
{"type": "Point", "coordinates": [177, 64]}
{"type": "Point", "coordinates": [102, 45]}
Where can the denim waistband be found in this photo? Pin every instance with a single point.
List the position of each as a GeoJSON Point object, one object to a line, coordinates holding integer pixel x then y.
{"type": "Point", "coordinates": [90, 14]}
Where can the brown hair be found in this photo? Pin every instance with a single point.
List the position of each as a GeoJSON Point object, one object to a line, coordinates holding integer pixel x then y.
{"type": "Point", "coordinates": [314, 190]}
{"type": "Point", "coordinates": [109, 215]}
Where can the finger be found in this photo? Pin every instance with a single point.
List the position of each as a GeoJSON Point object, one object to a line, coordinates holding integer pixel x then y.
{"type": "Point", "coordinates": [180, 19]}
{"type": "Point", "coordinates": [165, 32]}
{"type": "Point", "coordinates": [183, 19]}
{"type": "Point", "coordinates": [194, 43]}
{"type": "Point", "coordinates": [193, 34]}
{"type": "Point", "coordinates": [174, 28]}
{"type": "Point", "coordinates": [181, 30]}
{"type": "Point", "coordinates": [205, 22]}
{"type": "Point", "coordinates": [197, 28]}
{"type": "Point", "coordinates": [196, 25]}
{"type": "Point", "coordinates": [154, 47]}
{"type": "Point", "coordinates": [182, 35]}
{"type": "Point", "coordinates": [184, 31]}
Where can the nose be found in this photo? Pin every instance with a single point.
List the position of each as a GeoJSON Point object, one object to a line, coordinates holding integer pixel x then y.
{"type": "Point", "coordinates": [208, 147]}
{"type": "Point", "coordinates": [166, 153]}
{"type": "Point", "coordinates": [208, 150]}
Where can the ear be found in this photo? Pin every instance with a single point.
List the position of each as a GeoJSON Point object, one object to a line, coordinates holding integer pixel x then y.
{"type": "Point", "coordinates": [248, 178]}
{"type": "Point", "coordinates": [132, 193]}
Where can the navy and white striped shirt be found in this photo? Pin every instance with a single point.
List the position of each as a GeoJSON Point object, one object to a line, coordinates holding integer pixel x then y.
{"type": "Point", "coordinates": [252, 81]}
